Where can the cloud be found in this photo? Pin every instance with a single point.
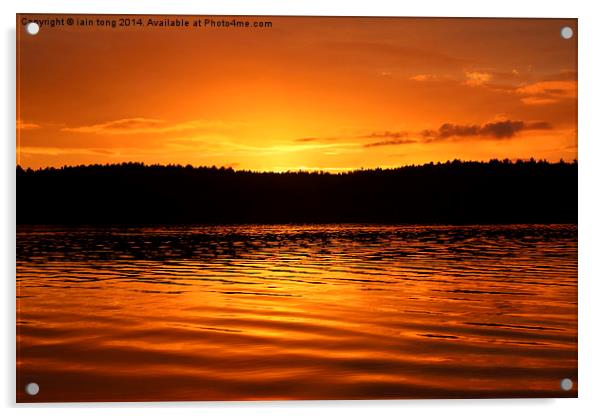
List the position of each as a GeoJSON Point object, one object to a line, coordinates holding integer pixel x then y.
{"type": "Point", "coordinates": [139, 125]}
{"type": "Point", "coordinates": [308, 139]}
{"type": "Point", "coordinates": [538, 125]}
{"type": "Point", "coordinates": [23, 125]}
{"type": "Point", "coordinates": [497, 130]}
{"type": "Point", "coordinates": [286, 148]}
{"type": "Point", "coordinates": [386, 135]}
{"type": "Point", "coordinates": [476, 78]}
{"type": "Point", "coordinates": [331, 139]}
{"type": "Point", "coordinates": [57, 151]}
{"type": "Point", "coordinates": [388, 138]}
{"type": "Point", "coordinates": [424, 77]}
{"type": "Point", "coordinates": [391, 142]}
{"type": "Point", "coordinates": [548, 92]}
{"type": "Point", "coordinates": [537, 100]}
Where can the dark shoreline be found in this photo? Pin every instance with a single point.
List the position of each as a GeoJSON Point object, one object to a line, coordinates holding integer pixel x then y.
{"type": "Point", "coordinates": [451, 193]}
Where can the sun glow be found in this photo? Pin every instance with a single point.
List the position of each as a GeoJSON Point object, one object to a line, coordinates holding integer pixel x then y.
{"type": "Point", "coordinates": [316, 94]}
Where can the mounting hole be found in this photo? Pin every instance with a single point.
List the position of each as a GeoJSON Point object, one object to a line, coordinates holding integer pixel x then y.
{"type": "Point", "coordinates": [32, 28]}
{"type": "Point", "coordinates": [566, 32]}
{"type": "Point", "coordinates": [32, 389]}
{"type": "Point", "coordinates": [566, 384]}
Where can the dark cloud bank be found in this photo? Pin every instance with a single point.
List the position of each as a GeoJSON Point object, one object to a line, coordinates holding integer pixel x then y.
{"type": "Point", "coordinates": [498, 130]}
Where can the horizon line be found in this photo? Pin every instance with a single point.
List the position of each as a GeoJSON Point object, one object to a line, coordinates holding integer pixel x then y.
{"type": "Point", "coordinates": [333, 171]}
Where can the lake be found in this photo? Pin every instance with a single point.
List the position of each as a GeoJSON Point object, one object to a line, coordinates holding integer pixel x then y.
{"type": "Point", "coordinates": [296, 312]}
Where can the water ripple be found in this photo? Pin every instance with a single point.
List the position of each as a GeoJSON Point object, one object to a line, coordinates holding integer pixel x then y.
{"type": "Point", "coordinates": [296, 312]}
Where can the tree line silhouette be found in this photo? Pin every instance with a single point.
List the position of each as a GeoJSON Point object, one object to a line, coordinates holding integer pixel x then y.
{"type": "Point", "coordinates": [454, 192]}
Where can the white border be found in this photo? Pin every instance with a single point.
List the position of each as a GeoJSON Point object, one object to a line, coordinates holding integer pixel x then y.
{"type": "Point", "coordinates": [590, 207]}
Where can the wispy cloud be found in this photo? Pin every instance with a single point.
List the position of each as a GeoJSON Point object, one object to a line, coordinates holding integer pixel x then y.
{"type": "Point", "coordinates": [391, 142]}
{"type": "Point", "coordinates": [141, 125]}
{"type": "Point", "coordinates": [57, 151]}
{"type": "Point", "coordinates": [476, 78]}
{"type": "Point", "coordinates": [548, 92]}
{"type": "Point", "coordinates": [388, 138]}
{"type": "Point", "coordinates": [311, 139]}
{"type": "Point", "coordinates": [386, 135]}
{"type": "Point", "coordinates": [23, 125]}
{"type": "Point", "coordinates": [424, 77]}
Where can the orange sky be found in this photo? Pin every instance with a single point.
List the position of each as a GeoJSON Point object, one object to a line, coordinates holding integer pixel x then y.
{"type": "Point", "coordinates": [307, 93]}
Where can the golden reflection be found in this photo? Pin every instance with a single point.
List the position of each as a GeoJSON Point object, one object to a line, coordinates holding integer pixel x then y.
{"type": "Point", "coordinates": [395, 316]}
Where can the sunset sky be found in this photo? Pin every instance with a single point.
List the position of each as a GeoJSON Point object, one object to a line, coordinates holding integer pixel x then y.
{"type": "Point", "coordinates": [308, 93]}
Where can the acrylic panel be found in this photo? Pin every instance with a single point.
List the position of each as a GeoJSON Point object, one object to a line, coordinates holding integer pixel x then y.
{"type": "Point", "coordinates": [285, 208]}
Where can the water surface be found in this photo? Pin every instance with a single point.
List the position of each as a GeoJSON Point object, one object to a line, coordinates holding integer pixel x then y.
{"type": "Point", "coordinates": [296, 312]}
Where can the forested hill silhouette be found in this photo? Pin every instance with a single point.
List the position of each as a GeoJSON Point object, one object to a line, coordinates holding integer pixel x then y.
{"type": "Point", "coordinates": [449, 193]}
